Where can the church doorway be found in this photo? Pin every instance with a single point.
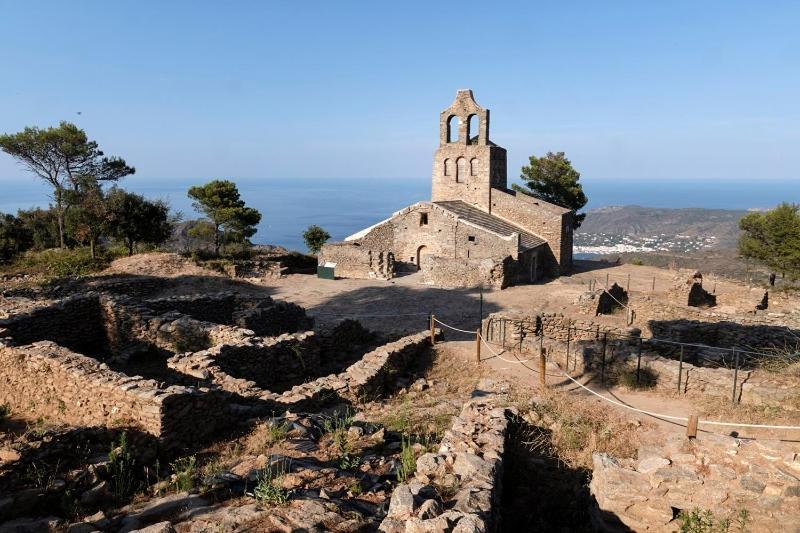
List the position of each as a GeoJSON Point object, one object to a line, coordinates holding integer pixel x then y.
{"type": "Point", "coordinates": [422, 253]}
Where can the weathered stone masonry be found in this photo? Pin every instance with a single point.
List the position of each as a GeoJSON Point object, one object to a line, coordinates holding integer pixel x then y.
{"type": "Point", "coordinates": [472, 216]}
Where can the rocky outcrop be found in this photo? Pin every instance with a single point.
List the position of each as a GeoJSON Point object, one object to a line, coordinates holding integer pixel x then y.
{"type": "Point", "coordinates": [721, 474]}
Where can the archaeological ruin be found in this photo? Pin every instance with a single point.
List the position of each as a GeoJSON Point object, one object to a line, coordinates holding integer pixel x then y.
{"type": "Point", "coordinates": [474, 230]}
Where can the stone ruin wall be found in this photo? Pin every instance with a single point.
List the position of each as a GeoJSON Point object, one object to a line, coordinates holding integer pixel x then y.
{"type": "Point", "coordinates": [371, 375]}
{"type": "Point", "coordinates": [465, 273]}
{"type": "Point", "coordinates": [686, 324]}
{"type": "Point", "coordinates": [43, 376]}
{"type": "Point", "coordinates": [754, 386]}
{"type": "Point", "coordinates": [720, 474]}
{"type": "Point", "coordinates": [262, 315]}
{"type": "Point", "coordinates": [470, 457]}
{"type": "Point", "coordinates": [355, 261]}
{"type": "Point", "coordinates": [49, 381]}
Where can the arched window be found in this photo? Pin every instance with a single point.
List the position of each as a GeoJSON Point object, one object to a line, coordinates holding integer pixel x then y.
{"type": "Point", "coordinates": [473, 129]}
{"type": "Point", "coordinates": [448, 167]}
{"type": "Point", "coordinates": [452, 129]}
{"type": "Point", "coordinates": [473, 166]}
{"type": "Point", "coordinates": [461, 169]}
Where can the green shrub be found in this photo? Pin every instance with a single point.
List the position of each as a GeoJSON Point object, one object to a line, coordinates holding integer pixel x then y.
{"type": "Point", "coordinates": [704, 521]}
{"type": "Point", "coordinates": [184, 472]}
{"type": "Point", "coordinates": [637, 262]}
{"type": "Point", "coordinates": [121, 469]}
{"type": "Point", "coordinates": [408, 460]}
{"type": "Point", "coordinates": [61, 263]}
{"type": "Point", "coordinates": [5, 411]}
{"type": "Point", "coordinates": [268, 487]}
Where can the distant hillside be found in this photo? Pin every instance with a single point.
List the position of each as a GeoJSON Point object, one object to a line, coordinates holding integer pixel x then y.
{"type": "Point", "coordinates": [640, 222]}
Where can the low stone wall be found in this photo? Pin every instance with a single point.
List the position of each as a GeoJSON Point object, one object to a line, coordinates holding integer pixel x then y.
{"type": "Point", "coordinates": [265, 362]}
{"type": "Point", "coordinates": [470, 458]}
{"type": "Point", "coordinates": [448, 272]}
{"type": "Point", "coordinates": [262, 315]}
{"type": "Point", "coordinates": [355, 261]}
{"type": "Point", "coordinates": [49, 381]}
{"type": "Point", "coordinates": [719, 474]}
{"type": "Point", "coordinates": [522, 331]}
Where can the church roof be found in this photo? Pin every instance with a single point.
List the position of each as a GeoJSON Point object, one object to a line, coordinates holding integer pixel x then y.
{"type": "Point", "coordinates": [484, 220]}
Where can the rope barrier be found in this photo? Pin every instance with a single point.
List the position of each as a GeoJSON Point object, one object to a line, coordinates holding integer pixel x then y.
{"type": "Point", "coordinates": [678, 418]}
{"type": "Point", "coordinates": [368, 316]}
{"type": "Point", "coordinates": [453, 328]}
{"type": "Point", "coordinates": [518, 361]}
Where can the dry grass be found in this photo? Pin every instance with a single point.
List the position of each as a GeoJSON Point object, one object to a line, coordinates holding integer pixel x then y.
{"type": "Point", "coordinates": [721, 408]}
{"type": "Point", "coordinates": [575, 427]}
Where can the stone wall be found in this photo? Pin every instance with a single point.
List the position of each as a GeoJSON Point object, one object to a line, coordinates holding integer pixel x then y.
{"type": "Point", "coordinates": [456, 273]}
{"type": "Point", "coordinates": [719, 474]}
{"type": "Point", "coordinates": [373, 375]}
{"type": "Point", "coordinates": [262, 315]}
{"type": "Point", "coordinates": [470, 458]}
{"type": "Point", "coordinates": [356, 261]}
{"type": "Point", "coordinates": [250, 367]}
{"type": "Point", "coordinates": [49, 381]}
{"type": "Point", "coordinates": [550, 222]}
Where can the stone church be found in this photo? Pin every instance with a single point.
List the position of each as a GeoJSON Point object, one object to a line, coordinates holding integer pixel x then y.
{"type": "Point", "coordinates": [474, 230]}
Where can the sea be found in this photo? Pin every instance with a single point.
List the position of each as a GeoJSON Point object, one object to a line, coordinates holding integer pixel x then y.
{"type": "Point", "coordinates": [343, 206]}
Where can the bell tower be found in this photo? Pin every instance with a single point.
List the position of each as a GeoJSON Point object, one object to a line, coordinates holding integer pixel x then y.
{"type": "Point", "coordinates": [467, 164]}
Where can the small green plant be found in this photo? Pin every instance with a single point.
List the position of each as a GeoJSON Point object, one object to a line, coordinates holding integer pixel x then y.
{"type": "Point", "coordinates": [637, 262]}
{"type": "Point", "coordinates": [408, 460]}
{"type": "Point", "coordinates": [268, 488]}
{"type": "Point", "coordinates": [339, 421]}
{"type": "Point", "coordinates": [184, 472]}
{"type": "Point", "coordinates": [355, 488]}
{"type": "Point", "coordinates": [267, 435]}
{"type": "Point", "coordinates": [703, 521]}
{"type": "Point", "coordinates": [121, 470]}
{"type": "Point", "coordinates": [5, 412]}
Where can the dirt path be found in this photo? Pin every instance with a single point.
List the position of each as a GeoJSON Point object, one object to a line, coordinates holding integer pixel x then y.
{"type": "Point", "coordinates": [526, 373]}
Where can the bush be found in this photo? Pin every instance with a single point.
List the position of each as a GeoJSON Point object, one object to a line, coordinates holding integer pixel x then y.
{"type": "Point", "coordinates": [62, 263]}
{"type": "Point", "coordinates": [184, 472]}
{"type": "Point", "coordinates": [5, 411]}
{"type": "Point", "coordinates": [637, 262]}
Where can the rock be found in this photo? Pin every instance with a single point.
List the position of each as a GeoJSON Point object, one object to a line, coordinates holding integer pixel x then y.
{"type": "Point", "coordinates": [752, 484]}
{"type": "Point", "coordinates": [470, 524]}
{"type": "Point", "coordinates": [95, 495]}
{"type": "Point", "coordinates": [419, 385]}
{"type": "Point", "coordinates": [431, 464]}
{"type": "Point", "coordinates": [161, 527]}
{"type": "Point", "coordinates": [8, 456]}
{"type": "Point", "coordinates": [379, 436]}
{"type": "Point", "coordinates": [402, 503]}
{"type": "Point", "coordinates": [651, 464]}
{"type": "Point", "coordinates": [355, 432]}
{"type": "Point", "coordinates": [470, 465]}
{"type": "Point", "coordinates": [429, 509]}
{"type": "Point", "coordinates": [30, 525]}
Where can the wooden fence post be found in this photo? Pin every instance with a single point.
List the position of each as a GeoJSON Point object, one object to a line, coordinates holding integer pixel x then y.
{"type": "Point", "coordinates": [543, 368]}
{"type": "Point", "coordinates": [691, 427]}
{"type": "Point", "coordinates": [478, 345]}
{"type": "Point", "coordinates": [603, 360]}
{"type": "Point", "coordinates": [628, 285]}
{"type": "Point", "coordinates": [735, 374]}
{"type": "Point", "coordinates": [433, 330]}
{"type": "Point", "coordinates": [654, 284]}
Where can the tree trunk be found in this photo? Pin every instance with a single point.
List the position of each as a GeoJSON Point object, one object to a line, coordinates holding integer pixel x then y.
{"type": "Point", "coordinates": [130, 247]}
{"type": "Point", "coordinates": [92, 248]}
{"type": "Point", "coordinates": [60, 218]}
{"type": "Point", "coordinates": [216, 239]}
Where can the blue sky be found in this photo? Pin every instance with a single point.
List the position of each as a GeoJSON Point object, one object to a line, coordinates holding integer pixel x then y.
{"type": "Point", "coordinates": [632, 90]}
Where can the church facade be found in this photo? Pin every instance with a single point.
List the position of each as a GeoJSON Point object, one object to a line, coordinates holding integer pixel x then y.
{"type": "Point", "coordinates": [474, 230]}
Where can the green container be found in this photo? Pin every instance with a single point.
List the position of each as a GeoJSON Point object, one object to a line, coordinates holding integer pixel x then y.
{"type": "Point", "coordinates": [326, 272]}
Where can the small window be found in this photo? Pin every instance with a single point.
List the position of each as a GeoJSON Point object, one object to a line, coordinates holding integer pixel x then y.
{"type": "Point", "coordinates": [423, 219]}
{"type": "Point", "coordinates": [471, 238]}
